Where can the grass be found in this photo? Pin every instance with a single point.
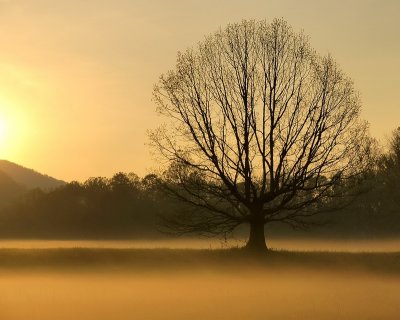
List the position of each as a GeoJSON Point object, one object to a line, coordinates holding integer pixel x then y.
{"type": "Point", "coordinates": [148, 260]}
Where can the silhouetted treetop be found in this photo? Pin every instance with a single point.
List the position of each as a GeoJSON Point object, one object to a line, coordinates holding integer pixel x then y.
{"type": "Point", "coordinates": [259, 128]}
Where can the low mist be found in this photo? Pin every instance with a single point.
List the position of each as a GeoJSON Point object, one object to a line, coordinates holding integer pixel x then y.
{"type": "Point", "coordinates": [188, 294]}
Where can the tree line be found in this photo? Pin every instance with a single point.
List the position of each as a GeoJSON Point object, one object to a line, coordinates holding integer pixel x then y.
{"type": "Point", "coordinates": [128, 207]}
{"type": "Point", "coordinates": [123, 206]}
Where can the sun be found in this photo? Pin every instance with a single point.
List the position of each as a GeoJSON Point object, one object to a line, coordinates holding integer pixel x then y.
{"type": "Point", "coordinates": [14, 126]}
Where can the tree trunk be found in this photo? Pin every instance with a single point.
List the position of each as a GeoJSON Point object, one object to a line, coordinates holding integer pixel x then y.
{"type": "Point", "coordinates": [256, 241]}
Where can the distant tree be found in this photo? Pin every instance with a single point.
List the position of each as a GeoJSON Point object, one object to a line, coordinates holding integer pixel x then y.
{"type": "Point", "coordinates": [121, 183]}
{"type": "Point", "coordinates": [391, 159]}
{"type": "Point", "coordinates": [376, 211]}
{"type": "Point", "coordinates": [388, 178]}
{"type": "Point", "coordinates": [260, 129]}
{"type": "Point", "coordinates": [96, 185]}
{"type": "Point", "coordinates": [123, 206]}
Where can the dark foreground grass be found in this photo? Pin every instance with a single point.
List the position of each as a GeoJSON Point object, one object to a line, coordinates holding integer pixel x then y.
{"type": "Point", "coordinates": [149, 260]}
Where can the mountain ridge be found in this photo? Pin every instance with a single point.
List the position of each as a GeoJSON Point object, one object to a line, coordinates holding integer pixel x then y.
{"type": "Point", "coordinates": [29, 178]}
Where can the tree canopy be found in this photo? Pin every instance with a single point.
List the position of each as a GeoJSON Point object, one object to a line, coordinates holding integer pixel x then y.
{"type": "Point", "coordinates": [259, 128]}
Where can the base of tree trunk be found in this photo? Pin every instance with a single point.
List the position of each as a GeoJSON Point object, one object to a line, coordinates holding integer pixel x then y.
{"type": "Point", "coordinates": [256, 242]}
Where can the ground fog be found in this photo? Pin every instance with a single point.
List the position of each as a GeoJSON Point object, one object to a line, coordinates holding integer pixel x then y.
{"type": "Point", "coordinates": [46, 282]}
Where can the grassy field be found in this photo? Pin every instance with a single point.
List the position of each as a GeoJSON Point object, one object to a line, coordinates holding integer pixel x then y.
{"type": "Point", "coordinates": [175, 284]}
{"type": "Point", "coordinates": [87, 259]}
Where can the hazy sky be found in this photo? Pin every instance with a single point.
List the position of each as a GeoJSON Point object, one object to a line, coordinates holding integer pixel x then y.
{"type": "Point", "coordinates": [76, 76]}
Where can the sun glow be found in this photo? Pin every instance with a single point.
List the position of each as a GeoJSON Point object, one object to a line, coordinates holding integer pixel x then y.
{"type": "Point", "coordinates": [3, 131]}
{"type": "Point", "coordinates": [13, 130]}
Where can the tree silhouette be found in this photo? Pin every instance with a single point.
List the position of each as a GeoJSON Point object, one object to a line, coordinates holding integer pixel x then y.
{"type": "Point", "coordinates": [388, 178]}
{"type": "Point", "coordinates": [259, 129]}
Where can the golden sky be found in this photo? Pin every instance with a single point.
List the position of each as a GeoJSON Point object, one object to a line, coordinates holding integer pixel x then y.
{"type": "Point", "coordinates": [76, 76]}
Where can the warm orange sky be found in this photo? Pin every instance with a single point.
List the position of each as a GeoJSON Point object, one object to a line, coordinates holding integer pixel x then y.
{"type": "Point", "coordinates": [76, 76]}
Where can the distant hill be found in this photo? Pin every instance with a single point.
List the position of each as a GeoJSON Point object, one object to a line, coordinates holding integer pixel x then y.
{"type": "Point", "coordinates": [9, 189]}
{"type": "Point", "coordinates": [27, 178]}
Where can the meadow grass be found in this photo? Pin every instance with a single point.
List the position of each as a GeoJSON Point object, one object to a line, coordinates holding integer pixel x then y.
{"type": "Point", "coordinates": [89, 259]}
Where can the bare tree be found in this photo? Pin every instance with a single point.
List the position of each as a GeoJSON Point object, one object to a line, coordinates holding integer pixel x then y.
{"type": "Point", "coordinates": [260, 129]}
